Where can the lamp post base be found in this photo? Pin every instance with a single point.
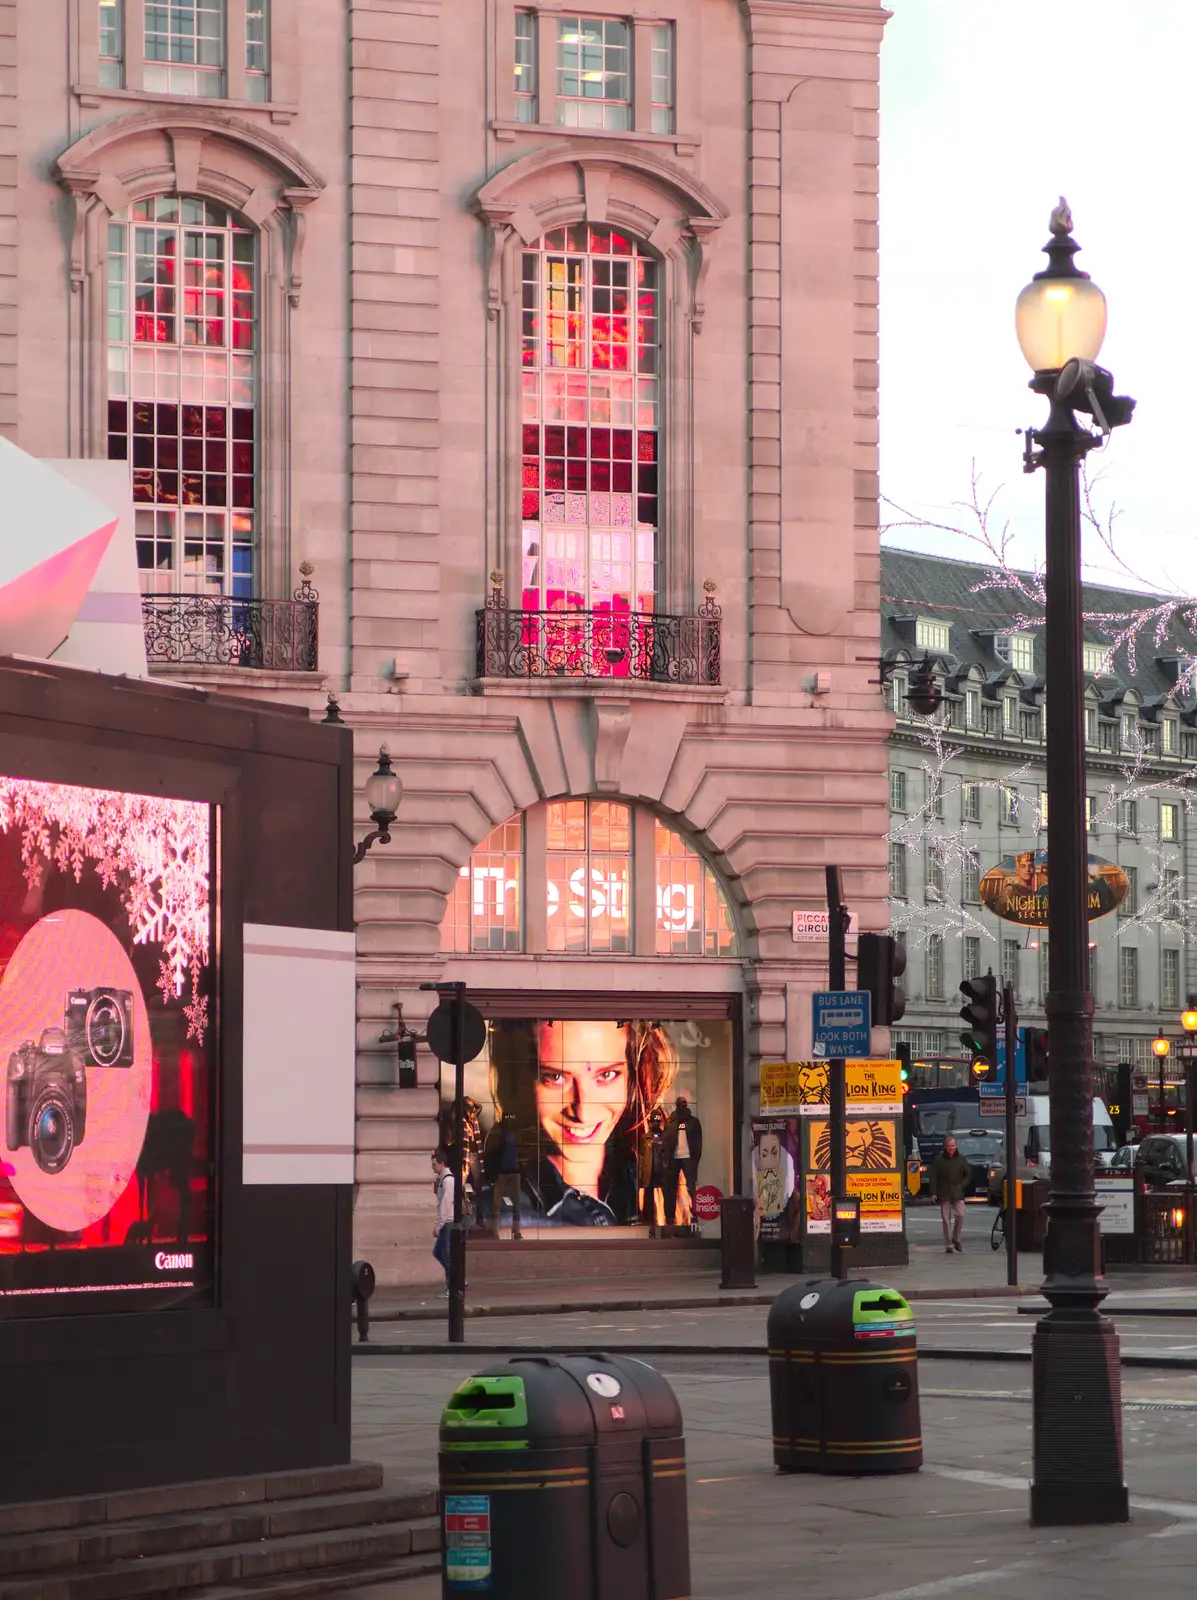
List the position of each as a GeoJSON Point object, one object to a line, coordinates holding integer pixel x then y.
{"type": "Point", "coordinates": [1077, 1391]}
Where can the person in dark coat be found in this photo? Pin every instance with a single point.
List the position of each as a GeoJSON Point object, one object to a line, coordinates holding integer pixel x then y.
{"type": "Point", "coordinates": [683, 1151]}
{"type": "Point", "coordinates": [506, 1180]}
{"type": "Point", "coordinates": [951, 1178]}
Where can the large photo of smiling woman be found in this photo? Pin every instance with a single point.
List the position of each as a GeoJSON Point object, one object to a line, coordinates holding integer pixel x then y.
{"type": "Point", "coordinates": [582, 1094]}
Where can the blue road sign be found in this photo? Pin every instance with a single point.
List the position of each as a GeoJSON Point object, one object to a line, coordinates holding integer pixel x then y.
{"type": "Point", "coordinates": [841, 1024]}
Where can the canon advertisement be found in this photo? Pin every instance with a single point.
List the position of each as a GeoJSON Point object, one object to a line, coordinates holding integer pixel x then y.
{"type": "Point", "coordinates": [107, 1040]}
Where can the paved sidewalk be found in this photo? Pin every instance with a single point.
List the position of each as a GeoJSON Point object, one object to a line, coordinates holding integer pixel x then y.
{"type": "Point", "coordinates": [960, 1526]}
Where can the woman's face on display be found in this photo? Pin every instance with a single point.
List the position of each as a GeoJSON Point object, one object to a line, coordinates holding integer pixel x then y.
{"type": "Point", "coordinates": [770, 1148]}
{"type": "Point", "coordinates": [581, 1082]}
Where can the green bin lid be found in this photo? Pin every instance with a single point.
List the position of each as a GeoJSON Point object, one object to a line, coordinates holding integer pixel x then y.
{"type": "Point", "coordinates": [880, 1305]}
{"type": "Point", "coordinates": [479, 1406]}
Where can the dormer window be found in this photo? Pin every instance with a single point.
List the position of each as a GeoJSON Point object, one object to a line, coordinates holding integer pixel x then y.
{"type": "Point", "coordinates": [1016, 649]}
{"type": "Point", "coordinates": [1096, 659]}
{"type": "Point", "coordinates": [1168, 736]}
{"type": "Point", "coordinates": [931, 635]}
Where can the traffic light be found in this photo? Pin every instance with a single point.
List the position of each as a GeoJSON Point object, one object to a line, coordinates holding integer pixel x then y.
{"type": "Point", "coordinates": [902, 1052]}
{"type": "Point", "coordinates": [880, 961]}
{"type": "Point", "coordinates": [1037, 1063]}
{"type": "Point", "coordinates": [1122, 1116]}
{"type": "Point", "coordinates": [980, 1012]}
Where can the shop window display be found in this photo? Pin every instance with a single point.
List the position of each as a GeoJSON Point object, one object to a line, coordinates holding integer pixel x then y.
{"type": "Point", "coordinates": [617, 1123]}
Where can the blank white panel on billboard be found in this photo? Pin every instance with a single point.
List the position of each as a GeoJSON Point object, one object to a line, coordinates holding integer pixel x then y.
{"type": "Point", "coordinates": [299, 1072]}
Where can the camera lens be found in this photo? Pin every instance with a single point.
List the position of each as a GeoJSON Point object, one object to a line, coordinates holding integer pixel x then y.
{"type": "Point", "coordinates": [105, 1028]}
{"type": "Point", "coordinates": [51, 1131]}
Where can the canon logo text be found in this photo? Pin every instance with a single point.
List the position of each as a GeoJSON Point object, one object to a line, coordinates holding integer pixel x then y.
{"type": "Point", "coordinates": [169, 1263]}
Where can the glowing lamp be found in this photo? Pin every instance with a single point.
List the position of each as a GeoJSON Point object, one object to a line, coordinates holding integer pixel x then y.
{"type": "Point", "coordinates": [1160, 1047]}
{"type": "Point", "coordinates": [1061, 314]}
{"type": "Point", "coordinates": [1188, 1020]}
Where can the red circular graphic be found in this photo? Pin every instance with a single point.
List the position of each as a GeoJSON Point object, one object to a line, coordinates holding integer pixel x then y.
{"type": "Point", "coordinates": [706, 1203]}
{"type": "Point", "coordinates": [78, 1074]}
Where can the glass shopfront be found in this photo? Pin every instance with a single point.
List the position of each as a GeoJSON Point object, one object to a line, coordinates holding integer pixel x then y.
{"type": "Point", "coordinates": [597, 1122]}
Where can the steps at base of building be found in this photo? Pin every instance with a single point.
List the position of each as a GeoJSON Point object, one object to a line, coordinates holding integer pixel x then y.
{"type": "Point", "coordinates": [226, 1544]}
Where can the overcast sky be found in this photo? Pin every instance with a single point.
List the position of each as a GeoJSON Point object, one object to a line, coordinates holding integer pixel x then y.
{"type": "Point", "coordinates": [989, 112]}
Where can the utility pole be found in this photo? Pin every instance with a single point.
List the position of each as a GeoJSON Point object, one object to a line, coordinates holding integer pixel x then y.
{"type": "Point", "coordinates": [1011, 1136]}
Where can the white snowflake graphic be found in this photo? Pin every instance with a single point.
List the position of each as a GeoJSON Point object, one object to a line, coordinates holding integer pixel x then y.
{"type": "Point", "coordinates": [154, 850]}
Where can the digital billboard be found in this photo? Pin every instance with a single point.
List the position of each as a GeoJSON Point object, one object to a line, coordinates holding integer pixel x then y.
{"type": "Point", "coordinates": [107, 1045]}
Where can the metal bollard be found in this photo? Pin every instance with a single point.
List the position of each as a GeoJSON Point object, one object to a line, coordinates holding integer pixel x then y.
{"type": "Point", "coordinates": [361, 1278]}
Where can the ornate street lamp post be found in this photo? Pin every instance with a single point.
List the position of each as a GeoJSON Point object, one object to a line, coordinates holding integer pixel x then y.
{"type": "Point", "coordinates": [1060, 320]}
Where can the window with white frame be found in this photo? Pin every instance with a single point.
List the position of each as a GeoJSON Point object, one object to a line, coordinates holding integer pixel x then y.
{"type": "Point", "coordinates": [972, 956]}
{"type": "Point", "coordinates": [1107, 735]}
{"type": "Point", "coordinates": [1096, 659]}
{"type": "Point", "coordinates": [184, 47]}
{"type": "Point", "coordinates": [591, 358]}
{"type": "Point", "coordinates": [1128, 976]}
{"type": "Point", "coordinates": [897, 694]}
{"type": "Point", "coordinates": [112, 43]}
{"type": "Point", "coordinates": [661, 62]}
{"type": "Point", "coordinates": [934, 793]}
{"type": "Point", "coordinates": [897, 870]}
{"type": "Point", "coordinates": [692, 913]}
{"type": "Point", "coordinates": [1169, 821]}
{"type": "Point", "coordinates": [1009, 713]}
{"type": "Point", "coordinates": [972, 708]}
{"type": "Point", "coordinates": [1149, 735]}
{"type": "Point", "coordinates": [1131, 903]}
{"type": "Point", "coordinates": [589, 876]}
{"type": "Point", "coordinates": [1042, 810]}
{"type": "Point", "coordinates": [1168, 736]}
{"type": "Point", "coordinates": [970, 877]}
{"type": "Point", "coordinates": [1130, 732]}
{"type": "Point", "coordinates": [1170, 893]}
{"type": "Point", "coordinates": [1008, 806]}
{"type": "Point", "coordinates": [931, 635]}
{"type": "Point", "coordinates": [1090, 724]}
{"type": "Point", "coordinates": [1010, 949]}
{"type": "Point", "coordinates": [935, 877]}
{"type": "Point", "coordinates": [257, 49]}
{"type": "Point", "coordinates": [594, 72]}
{"type": "Point", "coordinates": [935, 966]}
{"type": "Point", "coordinates": [1128, 816]}
{"type": "Point", "coordinates": [970, 801]}
{"type": "Point", "coordinates": [1090, 814]}
{"type": "Point", "coordinates": [897, 790]}
{"type": "Point", "coordinates": [525, 66]}
{"type": "Point", "coordinates": [1018, 649]}
{"type": "Point", "coordinates": [1169, 979]}
{"type": "Point", "coordinates": [182, 391]}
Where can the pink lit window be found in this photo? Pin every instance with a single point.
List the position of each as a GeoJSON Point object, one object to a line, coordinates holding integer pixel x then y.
{"type": "Point", "coordinates": [182, 391]}
{"type": "Point", "coordinates": [485, 910]}
{"type": "Point", "coordinates": [692, 914]}
{"type": "Point", "coordinates": [591, 354]}
{"type": "Point", "coordinates": [589, 876]}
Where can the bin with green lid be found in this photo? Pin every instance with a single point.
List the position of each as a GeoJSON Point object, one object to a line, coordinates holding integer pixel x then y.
{"type": "Point", "coordinates": [843, 1379]}
{"type": "Point", "coordinates": [565, 1479]}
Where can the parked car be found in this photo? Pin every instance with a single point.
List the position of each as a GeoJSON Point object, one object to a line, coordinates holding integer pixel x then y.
{"type": "Point", "coordinates": [1124, 1159]}
{"type": "Point", "coordinates": [982, 1149]}
{"type": "Point", "coordinates": [1162, 1160]}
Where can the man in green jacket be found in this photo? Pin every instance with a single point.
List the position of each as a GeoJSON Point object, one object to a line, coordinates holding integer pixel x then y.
{"type": "Point", "coordinates": [951, 1178]}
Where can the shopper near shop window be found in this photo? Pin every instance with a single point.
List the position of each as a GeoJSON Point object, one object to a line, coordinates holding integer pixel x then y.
{"type": "Point", "coordinates": [505, 1152]}
{"type": "Point", "coordinates": [651, 1165]}
{"type": "Point", "coordinates": [442, 1188]}
{"type": "Point", "coordinates": [683, 1152]}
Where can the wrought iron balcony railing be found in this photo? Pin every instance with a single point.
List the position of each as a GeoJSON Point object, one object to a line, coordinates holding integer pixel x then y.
{"type": "Point", "coordinates": [223, 630]}
{"type": "Point", "coordinates": [647, 647]}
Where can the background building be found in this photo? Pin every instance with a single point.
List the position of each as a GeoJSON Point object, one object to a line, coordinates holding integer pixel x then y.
{"type": "Point", "coordinates": [465, 366]}
{"type": "Point", "coordinates": [971, 788]}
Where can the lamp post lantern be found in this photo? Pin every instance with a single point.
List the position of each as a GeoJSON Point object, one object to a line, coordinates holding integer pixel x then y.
{"type": "Point", "coordinates": [1076, 1380]}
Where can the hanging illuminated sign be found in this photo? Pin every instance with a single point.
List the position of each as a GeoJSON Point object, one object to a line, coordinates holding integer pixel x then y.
{"type": "Point", "coordinates": [1016, 889]}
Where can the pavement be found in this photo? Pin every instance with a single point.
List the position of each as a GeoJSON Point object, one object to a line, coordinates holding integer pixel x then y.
{"type": "Point", "coordinates": [959, 1526]}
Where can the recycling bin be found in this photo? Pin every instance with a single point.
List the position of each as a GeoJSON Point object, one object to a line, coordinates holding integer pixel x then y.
{"type": "Point", "coordinates": [843, 1379]}
{"type": "Point", "coordinates": [564, 1478]}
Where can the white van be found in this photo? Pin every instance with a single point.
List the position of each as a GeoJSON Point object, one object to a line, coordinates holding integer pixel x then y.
{"type": "Point", "coordinates": [1034, 1137]}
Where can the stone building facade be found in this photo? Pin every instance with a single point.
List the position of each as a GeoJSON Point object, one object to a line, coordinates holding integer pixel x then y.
{"type": "Point", "coordinates": [547, 340]}
{"type": "Point", "coordinates": [973, 790]}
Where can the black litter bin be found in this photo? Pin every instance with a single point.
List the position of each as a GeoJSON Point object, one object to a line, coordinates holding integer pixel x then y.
{"type": "Point", "coordinates": [565, 1479]}
{"type": "Point", "coordinates": [843, 1379]}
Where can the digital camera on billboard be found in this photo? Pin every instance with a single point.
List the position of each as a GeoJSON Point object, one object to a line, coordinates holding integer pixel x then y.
{"type": "Point", "coordinates": [99, 1025]}
{"type": "Point", "coordinates": [46, 1105]}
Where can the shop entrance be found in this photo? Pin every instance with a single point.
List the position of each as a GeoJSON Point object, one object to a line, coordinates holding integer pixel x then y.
{"type": "Point", "coordinates": [600, 1117]}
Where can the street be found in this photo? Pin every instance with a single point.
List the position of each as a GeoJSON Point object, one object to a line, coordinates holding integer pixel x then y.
{"type": "Point", "coordinates": [957, 1526]}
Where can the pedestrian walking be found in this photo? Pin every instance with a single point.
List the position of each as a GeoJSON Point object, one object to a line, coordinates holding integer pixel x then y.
{"type": "Point", "coordinates": [683, 1151]}
{"type": "Point", "coordinates": [442, 1186]}
{"type": "Point", "coordinates": [951, 1175]}
{"type": "Point", "coordinates": [507, 1177]}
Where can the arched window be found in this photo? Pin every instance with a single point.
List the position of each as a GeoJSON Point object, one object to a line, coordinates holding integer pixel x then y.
{"type": "Point", "coordinates": [591, 355]}
{"type": "Point", "coordinates": [596, 866]}
{"type": "Point", "coordinates": [182, 391]}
